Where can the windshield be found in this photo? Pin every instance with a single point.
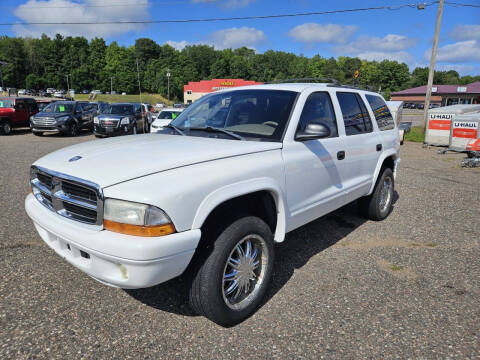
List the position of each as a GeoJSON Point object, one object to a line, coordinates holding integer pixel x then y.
{"type": "Point", "coordinates": [6, 103]}
{"type": "Point", "coordinates": [259, 114]}
{"type": "Point", "coordinates": [171, 115]}
{"type": "Point", "coordinates": [58, 107]}
{"type": "Point", "coordinates": [119, 109]}
{"type": "Point", "coordinates": [103, 108]}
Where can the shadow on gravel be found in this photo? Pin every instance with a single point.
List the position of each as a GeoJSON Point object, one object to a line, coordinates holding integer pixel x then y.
{"type": "Point", "coordinates": [299, 246]}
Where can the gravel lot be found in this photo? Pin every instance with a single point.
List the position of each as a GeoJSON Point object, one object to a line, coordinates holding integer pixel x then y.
{"type": "Point", "coordinates": [345, 288]}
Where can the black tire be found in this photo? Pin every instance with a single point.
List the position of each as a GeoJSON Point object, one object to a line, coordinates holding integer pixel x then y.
{"type": "Point", "coordinates": [473, 154]}
{"type": "Point", "coordinates": [37, 133]}
{"type": "Point", "coordinates": [73, 130]}
{"type": "Point", "coordinates": [98, 136]}
{"type": "Point", "coordinates": [208, 288]}
{"type": "Point", "coordinates": [375, 206]}
{"type": "Point", "coordinates": [5, 128]}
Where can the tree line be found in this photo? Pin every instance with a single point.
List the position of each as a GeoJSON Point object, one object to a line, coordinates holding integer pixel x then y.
{"type": "Point", "coordinates": [38, 63]}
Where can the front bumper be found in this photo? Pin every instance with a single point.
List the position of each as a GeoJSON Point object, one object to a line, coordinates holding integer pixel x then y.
{"type": "Point", "coordinates": [112, 131]}
{"type": "Point", "coordinates": [57, 128]}
{"type": "Point", "coordinates": [124, 261]}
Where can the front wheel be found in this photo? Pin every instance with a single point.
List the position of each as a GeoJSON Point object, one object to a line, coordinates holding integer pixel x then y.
{"type": "Point", "coordinates": [73, 131]}
{"type": "Point", "coordinates": [378, 205]}
{"type": "Point", "coordinates": [232, 281]}
{"type": "Point", "coordinates": [5, 128]}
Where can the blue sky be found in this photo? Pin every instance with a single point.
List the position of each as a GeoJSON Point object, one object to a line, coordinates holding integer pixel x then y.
{"type": "Point", "coordinates": [405, 35]}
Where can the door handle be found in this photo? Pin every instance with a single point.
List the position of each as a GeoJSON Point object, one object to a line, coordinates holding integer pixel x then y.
{"type": "Point", "coordinates": [379, 147]}
{"type": "Point", "coordinates": [341, 155]}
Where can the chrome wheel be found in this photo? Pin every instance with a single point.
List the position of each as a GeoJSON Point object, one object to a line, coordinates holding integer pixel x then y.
{"type": "Point", "coordinates": [244, 272]}
{"type": "Point", "coordinates": [386, 194]}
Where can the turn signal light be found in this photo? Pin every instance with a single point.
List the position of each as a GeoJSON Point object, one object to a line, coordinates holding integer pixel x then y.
{"type": "Point", "coordinates": [138, 230]}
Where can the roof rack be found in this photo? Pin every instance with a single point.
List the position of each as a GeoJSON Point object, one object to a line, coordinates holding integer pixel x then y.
{"type": "Point", "coordinates": [319, 79]}
{"type": "Point", "coordinates": [367, 88]}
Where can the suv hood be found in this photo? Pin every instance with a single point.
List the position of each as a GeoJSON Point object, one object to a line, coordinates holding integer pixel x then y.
{"type": "Point", "coordinates": [111, 161]}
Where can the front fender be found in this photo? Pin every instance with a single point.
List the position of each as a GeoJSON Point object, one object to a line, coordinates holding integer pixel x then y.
{"type": "Point", "coordinates": [234, 190]}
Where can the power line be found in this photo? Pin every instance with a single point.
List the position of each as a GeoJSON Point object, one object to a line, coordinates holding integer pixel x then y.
{"type": "Point", "coordinates": [257, 17]}
{"type": "Point", "coordinates": [461, 4]}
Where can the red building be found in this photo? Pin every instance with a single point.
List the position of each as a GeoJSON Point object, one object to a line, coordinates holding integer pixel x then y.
{"type": "Point", "coordinates": [196, 89]}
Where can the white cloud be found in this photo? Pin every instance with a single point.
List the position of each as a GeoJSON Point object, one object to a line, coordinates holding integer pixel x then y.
{"type": "Point", "coordinates": [389, 43]}
{"type": "Point", "coordinates": [179, 45]}
{"type": "Point", "coordinates": [227, 3]}
{"type": "Point", "coordinates": [462, 51]}
{"type": "Point", "coordinates": [318, 33]}
{"type": "Point", "coordinates": [400, 56]}
{"type": "Point", "coordinates": [236, 37]}
{"type": "Point", "coordinates": [466, 32]}
{"type": "Point", "coordinates": [85, 11]}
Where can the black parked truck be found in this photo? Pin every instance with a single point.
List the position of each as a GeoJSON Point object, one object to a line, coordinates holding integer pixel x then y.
{"type": "Point", "coordinates": [120, 119]}
{"type": "Point", "coordinates": [66, 117]}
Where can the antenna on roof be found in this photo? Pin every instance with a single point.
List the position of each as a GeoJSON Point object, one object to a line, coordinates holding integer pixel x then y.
{"type": "Point", "coordinates": [307, 80]}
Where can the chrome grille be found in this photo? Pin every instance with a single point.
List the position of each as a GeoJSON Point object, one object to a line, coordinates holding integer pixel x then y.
{"type": "Point", "coordinates": [74, 198]}
{"type": "Point", "coordinates": [44, 121]}
{"type": "Point", "coordinates": [111, 123]}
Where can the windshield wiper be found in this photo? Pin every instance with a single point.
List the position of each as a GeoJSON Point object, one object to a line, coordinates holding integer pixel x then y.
{"type": "Point", "coordinates": [215, 129]}
{"type": "Point", "coordinates": [175, 128]}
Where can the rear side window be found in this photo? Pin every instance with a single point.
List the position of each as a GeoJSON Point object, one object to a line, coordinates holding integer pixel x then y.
{"type": "Point", "coordinates": [382, 113]}
{"type": "Point", "coordinates": [318, 109]}
{"type": "Point", "coordinates": [355, 115]}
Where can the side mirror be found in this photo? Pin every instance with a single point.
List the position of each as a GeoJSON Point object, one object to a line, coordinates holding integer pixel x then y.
{"type": "Point", "coordinates": [313, 131]}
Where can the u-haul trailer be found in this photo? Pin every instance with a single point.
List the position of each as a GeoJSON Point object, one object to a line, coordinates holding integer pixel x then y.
{"type": "Point", "coordinates": [439, 122]}
{"type": "Point", "coordinates": [465, 133]}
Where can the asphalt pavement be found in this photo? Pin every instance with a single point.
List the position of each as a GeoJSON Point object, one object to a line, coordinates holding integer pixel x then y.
{"type": "Point", "coordinates": [344, 287]}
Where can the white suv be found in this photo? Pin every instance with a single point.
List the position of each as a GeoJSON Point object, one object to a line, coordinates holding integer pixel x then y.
{"type": "Point", "coordinates": [216, 188]}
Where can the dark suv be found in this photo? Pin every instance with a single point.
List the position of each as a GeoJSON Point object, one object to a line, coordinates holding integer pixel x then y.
{"type": "Point", "coordinates": [120, 119]}
{"type": "Point", "coordinates": [66, 117]}
{"type": "Point", "coordinates": [15, 112]}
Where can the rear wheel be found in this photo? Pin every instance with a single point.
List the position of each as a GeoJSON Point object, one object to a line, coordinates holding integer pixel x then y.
{"type": "Point", "coordinates": [231, 283]}
{"type": "Point", "coordinates": [5, 127]}
{"type": "Point", "coordinates": [378, 205]}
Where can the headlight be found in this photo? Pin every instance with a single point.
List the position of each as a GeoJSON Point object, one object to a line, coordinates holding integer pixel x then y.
{"type": "Point", "coordinates": [32, 118]}
{"type": "Point", "coordinates": [63, 118]}
{"type": "Point", "coordinates": [95, 120]}
{"type": "Point", "coordinates": [132, 218]}
{"type": "Point", "coordinates": [125, 121]}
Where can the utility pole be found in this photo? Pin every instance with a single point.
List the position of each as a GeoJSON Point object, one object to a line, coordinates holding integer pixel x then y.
{"type": "Point", "coordinates": [138, 76]}
{"type": "Point", "coordinates": [68, 85]}
{"type": "Point", "coordinates": [168, 84]}
{"type": "Point", "coordinates": [431, 71]}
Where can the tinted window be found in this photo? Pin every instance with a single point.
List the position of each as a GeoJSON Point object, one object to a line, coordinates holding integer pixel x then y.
{"type": "Point", "coordinates": [365, 114]}
{"type": "Point", "coordinates": [382, 113]}
{"type": "Point", "coordinates": [353, 116]}
{"type": "Point", "coordinates": [318, 109]}
{"type": "Point", "coordinates": [20, 105]}
{"type": "Point", "coordinates": [120, 109]}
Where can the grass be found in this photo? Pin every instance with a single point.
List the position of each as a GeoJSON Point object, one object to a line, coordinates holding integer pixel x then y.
{"type": "Point", "coordinates": [416, 134]}
{"type": "Point", "coordinates": [146, 98]}
{"type": "Point", "coordinates": [394, 267]}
